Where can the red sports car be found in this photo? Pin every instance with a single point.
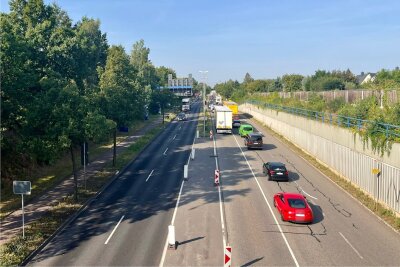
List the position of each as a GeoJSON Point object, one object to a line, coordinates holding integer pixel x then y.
{"type": "Point", "coordinates": [293, 207]}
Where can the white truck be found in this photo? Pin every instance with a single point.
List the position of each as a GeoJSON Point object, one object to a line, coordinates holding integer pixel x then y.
{"type": "Point", "coordinates": [223, 119]}
{"type": "Point", "coordinates": [186, 104]}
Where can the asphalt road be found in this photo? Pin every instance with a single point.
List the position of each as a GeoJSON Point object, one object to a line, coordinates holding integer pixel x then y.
{"type": "Point", "coordinates": [343, 233]}
{"type": "Point", "coordinates": [127, 224]}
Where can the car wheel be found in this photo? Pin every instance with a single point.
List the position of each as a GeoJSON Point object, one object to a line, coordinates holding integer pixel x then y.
{"type": "Point", "coordinates": [282, 218]}
{"type": "Point", "coordinates": [274, 203]}
{"type": "Point", "coordinates": [269, 177]}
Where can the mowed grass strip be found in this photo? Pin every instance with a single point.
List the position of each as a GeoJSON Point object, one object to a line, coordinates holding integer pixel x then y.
{"type": "Point", "coordinates": [208, 122]}
{"type": "Point", "coordinates": [14, 252]}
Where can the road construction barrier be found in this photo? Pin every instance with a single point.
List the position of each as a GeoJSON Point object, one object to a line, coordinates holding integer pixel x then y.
{"type": "Point", "coordinates": [185, 172]}
{"type": "Point", "coordinates": [228, 256]}
{"type": "Point", "coordinates": [211, 134]}
{"type": "Point", "coordinates": [216, 177]}
{"type": "Point", "coordinates": [192, 154]}
{"type": "Point", "coordinates": [171, 237]}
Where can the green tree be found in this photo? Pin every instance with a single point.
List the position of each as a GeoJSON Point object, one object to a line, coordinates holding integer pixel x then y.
{"type": "Point", "coordinates": [292, 82]}
{"type": "Point", "coordinates": [124, 101]}
{"type": "Point", "coordinates": [146, 72]}
{"type": "Point", "coordinates": [162, 74]}
{"type": "Point", "coordinates": [247, 78]}
{"type": "Point", "coordinates": [90, 53]}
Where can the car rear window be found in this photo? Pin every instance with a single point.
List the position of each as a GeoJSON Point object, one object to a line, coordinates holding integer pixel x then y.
{"type": "Point", "coordinates": [277, 168]}
{"type": "Point", "coordinates": [256, 138]}
{"type": "Point", "coordinates": [296, 203]}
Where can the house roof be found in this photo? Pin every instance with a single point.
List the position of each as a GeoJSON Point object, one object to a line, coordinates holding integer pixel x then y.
{"type": "Point", "coordinates": [360, 78]}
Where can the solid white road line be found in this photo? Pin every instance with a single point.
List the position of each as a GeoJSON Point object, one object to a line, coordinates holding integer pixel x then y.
{"type": "Point", "coordinates": [165, 152]}
{"type": "Point", "coordinates": [174, 137]}
{"type": "Point", "coordinates": [355, 250]}
{"type": "Point", "coordinates": [174, 215]}
{"type": "Point", "coordinates": [149, 175]}
{"type": "Point", "coordinates": [220, 198]}
{"type": "Point", "coordinates": [115, 228]}
{"type": "Point", "coordinates": [305, 191]}
{"type": "Point", "coordinates": [269, 206]}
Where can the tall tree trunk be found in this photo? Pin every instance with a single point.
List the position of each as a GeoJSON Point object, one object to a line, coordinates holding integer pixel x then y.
{"type": "Point", "coordinates": [115, 147]}
{"type": "Point", "coordinates": [74, 172]}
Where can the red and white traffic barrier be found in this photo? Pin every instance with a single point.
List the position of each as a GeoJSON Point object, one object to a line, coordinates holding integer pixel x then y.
{"type": "Point", "coordinates": [228, 256]}
{"type": "Point", "coordinates": [211, 134]}
{"type": "Point", "coordinates": [216, 177]}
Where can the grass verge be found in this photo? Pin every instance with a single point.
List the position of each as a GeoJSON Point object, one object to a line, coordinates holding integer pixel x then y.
{"type": "Point", "coordinates": [208, 123]}
{"type": "Point", "coordinates": [14, 252]}
{"type": "Point", "coordinates": [377, 208]}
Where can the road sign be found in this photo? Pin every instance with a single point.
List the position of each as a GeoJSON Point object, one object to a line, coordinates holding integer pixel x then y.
{"type": "Point", "coordinates": [22, 187]}
{"type": "Point", "coordinates": [375, 171]}
{"type": "Point", "coordinates": [228, 256]}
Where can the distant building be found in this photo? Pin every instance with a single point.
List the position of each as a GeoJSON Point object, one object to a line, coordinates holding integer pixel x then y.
{"type": "Point", "coordinates": [181, 86]}
{"type": "Point", "coordinates": [366, 77]}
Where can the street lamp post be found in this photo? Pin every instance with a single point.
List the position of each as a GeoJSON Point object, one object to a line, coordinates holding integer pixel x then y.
{"type": "Point", "coordinates": [204, 72]}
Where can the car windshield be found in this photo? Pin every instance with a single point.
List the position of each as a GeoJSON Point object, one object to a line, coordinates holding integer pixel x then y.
{"type": "Point", "coordinates": [247, 128]}
{"type": "Point", "coordinates": [296, 203]}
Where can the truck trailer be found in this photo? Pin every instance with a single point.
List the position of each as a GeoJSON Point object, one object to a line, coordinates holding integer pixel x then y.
{"type": "Point", "coordinates": [235, 112]}
{"type": "Point", "coordinates": [186, 104]}
{"type": "Point", "coordinates": [223, 119]}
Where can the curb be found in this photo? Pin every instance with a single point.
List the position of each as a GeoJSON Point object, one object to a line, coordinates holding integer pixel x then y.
{"type": "Point", "coordinates": [88, 202]}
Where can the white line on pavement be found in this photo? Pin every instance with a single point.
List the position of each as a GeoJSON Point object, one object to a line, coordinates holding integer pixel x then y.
{"type": "Point", "coordinates": [174, 137]}
{"type": "Point", "coordinates": [220, 197]}
{"type": "Point", "coordinates": [174, 215]}
{"type": "Point", "coordinates": [165, 152]}
{"type": "Point", "coordinates": [149, 175]}
{"type": "Point", "coordinates": [355, 250]}
{"type": "Point", "coordinates": [115, 228]}
{"type": "Point", "coordinates": [305, 191]}
{"type": "Point", "coordinates": [269, 206]}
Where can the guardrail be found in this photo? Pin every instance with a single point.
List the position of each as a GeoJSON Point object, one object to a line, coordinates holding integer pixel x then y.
{"type": "Point", "coordinates": [390, 131]}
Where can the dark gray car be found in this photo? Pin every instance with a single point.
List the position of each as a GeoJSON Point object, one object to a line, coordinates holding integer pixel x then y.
{"type": "Point", "coordinates": [276, 171]}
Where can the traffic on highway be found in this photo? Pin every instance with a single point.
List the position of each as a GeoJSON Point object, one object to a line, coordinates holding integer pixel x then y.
{"type": "Point", "coordinates": [271, 207]}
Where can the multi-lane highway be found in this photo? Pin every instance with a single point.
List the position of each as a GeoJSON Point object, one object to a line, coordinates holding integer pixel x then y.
{"type": "Point", "coordinates": [128, 223]}
{"type": "Point", "coordinates": [343, 232]}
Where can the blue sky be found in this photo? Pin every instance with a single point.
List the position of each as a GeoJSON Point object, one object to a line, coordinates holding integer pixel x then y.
{"type": "Point", "coordinates": [265, 38]}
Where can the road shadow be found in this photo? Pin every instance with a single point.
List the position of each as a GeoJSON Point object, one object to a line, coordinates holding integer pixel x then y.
{"type": "Point", "coordinates": [317, 211]}
{"type": "Point", "coordinates": [250, 263]}
{"type": "Point", "coordinates": [268, 146]}
{"type": "Point", "coordinates": [190, 240]}
{"type": "Point", "coordinates": [293, 176]}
